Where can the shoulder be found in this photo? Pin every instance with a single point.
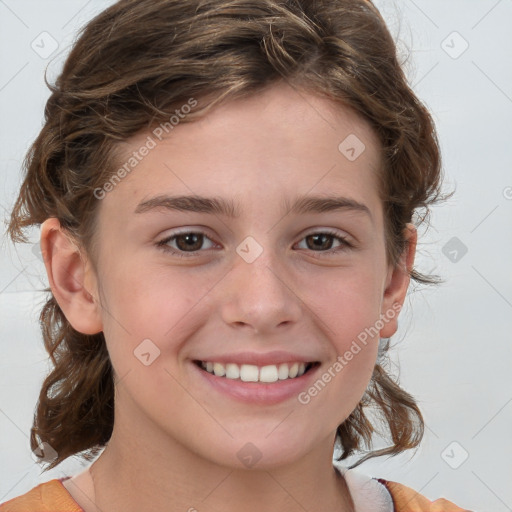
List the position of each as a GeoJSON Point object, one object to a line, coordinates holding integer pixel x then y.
{"type": "Point", "coordinates": [406, 499]}
{"type": "Point", "coordinates": [372, 494]}
{"type": "Point", "coordinates": [49, 496]}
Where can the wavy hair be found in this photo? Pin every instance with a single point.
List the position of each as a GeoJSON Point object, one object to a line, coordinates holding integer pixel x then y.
{"type": "Point", "coordinates": [131, 67]}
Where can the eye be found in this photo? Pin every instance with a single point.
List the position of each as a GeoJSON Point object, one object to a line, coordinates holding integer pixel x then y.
{"type": "Point", "coordinates": [188, 241]}
{"type": "Point", "coordinates": [323, 240]}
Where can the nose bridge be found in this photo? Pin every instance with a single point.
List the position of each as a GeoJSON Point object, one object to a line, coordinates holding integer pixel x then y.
{"type": "Point", "coordinates": [258, 292]}
{"type": "Point", "coordinates": [258, 268]}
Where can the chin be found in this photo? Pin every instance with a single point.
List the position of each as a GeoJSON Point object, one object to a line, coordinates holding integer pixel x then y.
{"type": "Point", "coordinates": [260, 452]}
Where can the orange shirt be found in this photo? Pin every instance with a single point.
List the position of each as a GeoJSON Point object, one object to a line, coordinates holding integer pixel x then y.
{"type": "Point", "coordinates": [52, 496]}
{"type": "Point", "coordinates": [406, 499]}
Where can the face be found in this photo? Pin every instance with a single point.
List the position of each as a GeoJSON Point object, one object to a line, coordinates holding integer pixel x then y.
{"type": "Point", "coordinates": [270, 285]}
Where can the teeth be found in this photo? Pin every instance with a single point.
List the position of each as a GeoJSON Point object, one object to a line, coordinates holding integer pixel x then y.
{"type": "Point", "coordinates": [232, 371]}
{"type": "Point", "coordinates": [269, 373]}
{"type": "Point", "coordinates": [219, 370]}
{"type": "Point", "coordinates": [249, 373]}
{"type": "Point", "coordinates": [283, 372]}
{"type": "Point", "coordinates": [253, 373]}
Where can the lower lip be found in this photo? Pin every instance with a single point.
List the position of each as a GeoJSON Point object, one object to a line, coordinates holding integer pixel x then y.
{"type": "Point", "coordinates": [258, 392]}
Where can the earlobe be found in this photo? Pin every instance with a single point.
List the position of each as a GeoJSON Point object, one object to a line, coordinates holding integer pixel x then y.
{"type": "Point", "coordinates": [397, 284]}
{"type": "Point", "coordinates": [66, 275]}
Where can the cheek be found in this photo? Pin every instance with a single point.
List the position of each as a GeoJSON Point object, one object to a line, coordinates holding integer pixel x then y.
{"type": "Point", "coordinates": [348, 311]}
{"type": "Point", "coordinates": [346, 302]}
{"type": "Point", "coordinates": [150, 304]}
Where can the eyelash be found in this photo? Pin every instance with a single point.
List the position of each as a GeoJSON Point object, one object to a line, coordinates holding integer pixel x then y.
{"type": "Point", "coordinates": [162, 244]}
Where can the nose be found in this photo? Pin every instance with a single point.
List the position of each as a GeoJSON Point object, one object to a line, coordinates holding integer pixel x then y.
{"type": "Point", "coordinates": [260, 295]}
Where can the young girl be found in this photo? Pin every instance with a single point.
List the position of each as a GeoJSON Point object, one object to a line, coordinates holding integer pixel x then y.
{"type": "Point", "coordinates": [226, 192]}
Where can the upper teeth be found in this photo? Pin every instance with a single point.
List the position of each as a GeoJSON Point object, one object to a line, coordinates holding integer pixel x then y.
{"type": "Point", "coordinates": [253, 373]}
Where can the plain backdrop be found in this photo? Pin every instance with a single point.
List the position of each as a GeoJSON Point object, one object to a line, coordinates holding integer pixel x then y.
{"type": "Point", "coordinates": [453, 348]}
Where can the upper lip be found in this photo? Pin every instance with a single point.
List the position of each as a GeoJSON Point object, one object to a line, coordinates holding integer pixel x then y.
{"type": "Point", "coordinates": [259, 358]}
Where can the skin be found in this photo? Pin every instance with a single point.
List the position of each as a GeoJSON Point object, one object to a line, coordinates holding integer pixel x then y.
{"type": "Point", "coordinates": [175, 440]}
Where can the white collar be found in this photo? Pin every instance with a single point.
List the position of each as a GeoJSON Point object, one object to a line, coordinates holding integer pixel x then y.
{"type": "Point", "coordinates": [367, 493]}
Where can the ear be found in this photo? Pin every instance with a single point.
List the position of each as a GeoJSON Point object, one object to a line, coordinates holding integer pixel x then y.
{"type": "Point", "coordinates": [69, 276]}
{"type": "Point", "coordinates": [397, 283]}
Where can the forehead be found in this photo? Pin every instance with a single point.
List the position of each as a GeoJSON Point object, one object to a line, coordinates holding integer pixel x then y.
{"type": "Point", "coordinates": [280, 142]}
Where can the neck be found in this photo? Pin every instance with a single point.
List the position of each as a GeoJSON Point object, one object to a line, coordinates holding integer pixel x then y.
{"type": "Point", "coordinates": [120, 481]}
{"type": "Point", "coordinates": [144, 468]}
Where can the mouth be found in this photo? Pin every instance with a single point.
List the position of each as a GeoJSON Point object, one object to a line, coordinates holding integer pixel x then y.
{"type": "Point", "coordinates": [252, 373]}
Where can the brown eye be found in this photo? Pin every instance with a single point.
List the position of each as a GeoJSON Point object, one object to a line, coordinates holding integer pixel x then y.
{"type": "Point", "coordinates": [189, 241]}
{"type": "Point", "coordinates": [320, 241]}
{"type": "Point", "coordinates": [323, 242]}
{"type": "Point", "coordinates": [186, 244]}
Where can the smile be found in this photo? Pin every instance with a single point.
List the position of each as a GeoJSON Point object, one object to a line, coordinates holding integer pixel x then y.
{"type": "Point", "coordinates": [252, 373]}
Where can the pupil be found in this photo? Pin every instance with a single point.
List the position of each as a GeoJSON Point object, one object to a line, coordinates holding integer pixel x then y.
{"type": "Point", "coordinates": [320, 236]}
{"type": "Point", "coordinates": [193, 241]}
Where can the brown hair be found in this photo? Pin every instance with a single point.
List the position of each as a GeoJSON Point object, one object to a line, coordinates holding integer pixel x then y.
{"type": "Point", "coordinates": [130, 68]}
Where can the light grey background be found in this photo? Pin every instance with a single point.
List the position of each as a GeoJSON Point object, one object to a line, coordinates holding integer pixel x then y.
{"type": "Point", "coordinates": [453, 349]}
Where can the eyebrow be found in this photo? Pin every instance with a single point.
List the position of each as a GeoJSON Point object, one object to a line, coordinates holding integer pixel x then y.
{"type": "Point", "coordinates": [228, 208]}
